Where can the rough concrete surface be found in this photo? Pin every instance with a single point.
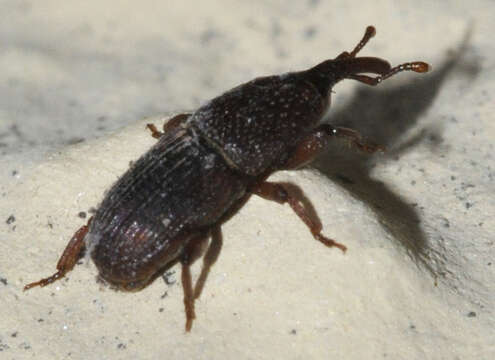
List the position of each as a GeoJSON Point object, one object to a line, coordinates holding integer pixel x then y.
{"type": "Point", "coordinates": [417, 281]}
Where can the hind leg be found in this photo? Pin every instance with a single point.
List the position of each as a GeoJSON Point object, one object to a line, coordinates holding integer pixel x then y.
{"type": "Point", "coordinates": [69, 258]}
{"type": "Point", "coordinates": [209, 259]}
{"type": "Point", "coordinates": [192, 252]}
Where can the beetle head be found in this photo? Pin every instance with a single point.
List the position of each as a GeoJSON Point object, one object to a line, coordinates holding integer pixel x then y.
{"type": "Point", "coordinates": [347, 66]}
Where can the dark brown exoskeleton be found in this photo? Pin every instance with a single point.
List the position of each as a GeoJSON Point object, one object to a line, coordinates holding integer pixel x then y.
{"type": "Point", "coordinates": [205, 166]}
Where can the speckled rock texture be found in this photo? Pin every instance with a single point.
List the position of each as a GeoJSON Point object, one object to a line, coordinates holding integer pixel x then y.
{"type": "Point", "coordinates": [417, 281]}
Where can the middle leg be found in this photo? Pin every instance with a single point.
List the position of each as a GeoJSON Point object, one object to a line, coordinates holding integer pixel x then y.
{"type": "Point", "coordinates": [277, 192]}
{"type": "Point", "coordinates": [169, 125]}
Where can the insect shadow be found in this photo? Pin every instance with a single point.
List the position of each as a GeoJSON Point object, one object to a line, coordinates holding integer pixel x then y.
{"type": "Point", "coordinates": [384, 115]}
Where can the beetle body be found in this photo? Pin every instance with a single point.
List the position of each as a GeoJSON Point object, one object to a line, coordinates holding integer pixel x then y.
{"type": "Point", "coordinates": [257, 124]}
{"type": "Point", "coordinates": [170, 196]}
{"type": "Point", "coordinates": [205, 166]}
{"type": "Point", "coordinates": [195, 174]}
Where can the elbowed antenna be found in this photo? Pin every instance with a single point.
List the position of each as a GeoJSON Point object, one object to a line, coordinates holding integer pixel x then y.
{"type": "Point", "coordinates": [372, 65]}
{"type": "Point", "coordinates": [416, 66]}
{"type": "Point", "coordinates": [368, 34]}
{"type": "Point", "coordinates": [348, 66]}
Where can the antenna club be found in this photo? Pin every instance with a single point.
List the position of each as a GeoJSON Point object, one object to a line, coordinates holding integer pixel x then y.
{"type": "Point", "coordinates": [420, 67]}
{"type": "Point", "coordinates": [370, 31]}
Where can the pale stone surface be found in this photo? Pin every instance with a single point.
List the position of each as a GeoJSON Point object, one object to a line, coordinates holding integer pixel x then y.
{"type": "Point", "coordinates": [418, 279]}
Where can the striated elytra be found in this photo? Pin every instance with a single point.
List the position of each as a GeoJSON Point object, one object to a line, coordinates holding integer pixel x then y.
{"type": "Point", "coordinates": [205, 166]}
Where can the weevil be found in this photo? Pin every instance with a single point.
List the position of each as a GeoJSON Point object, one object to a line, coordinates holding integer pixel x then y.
{"type": "Point", "coordinates": [206, 164]}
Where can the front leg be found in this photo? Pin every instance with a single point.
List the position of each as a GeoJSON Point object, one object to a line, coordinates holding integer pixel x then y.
{"type": "Point", "coordinates": [316, 142]}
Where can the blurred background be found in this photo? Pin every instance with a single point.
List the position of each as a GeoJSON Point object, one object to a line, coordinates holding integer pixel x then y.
{"type": "Point", "coordinates": [76, 70]}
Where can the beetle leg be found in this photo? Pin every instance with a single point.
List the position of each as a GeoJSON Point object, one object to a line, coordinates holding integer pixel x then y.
{"type": "Point", "coordinates": [353, 137]}
{"type": "Point", "coordinates": [317, 141]}
{"type": "Point", "coordinates": [169, 125]}
{"type": "Point", "coordinates": [277, 192]}
{"type": "Point", "coordinates": [192, 252]}
{"type": "Point", "coordinates": [175, 121]}
{"type": "Point", "coordinates": [69, 258]}
{"type": "Point", "coordinates": [154, 131]}
{"type": "Point", "coordinates": [188, 294]}
{"type": "Point", "coordinates": [209, 259]}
